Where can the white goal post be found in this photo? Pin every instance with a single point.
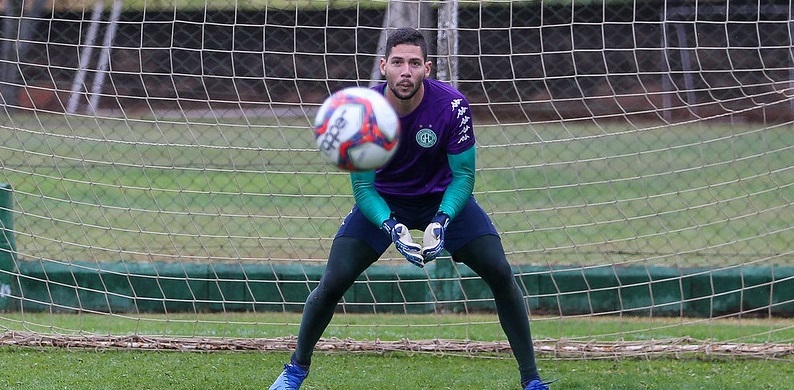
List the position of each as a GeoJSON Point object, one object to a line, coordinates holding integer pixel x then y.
{"type": "Point", "coordinates": [157, 171]}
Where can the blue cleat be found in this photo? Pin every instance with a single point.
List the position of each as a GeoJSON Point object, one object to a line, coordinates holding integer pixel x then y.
{"type": "Point", "coordinates": [290, 379]}
{"type": "Point", "coordinates": [537, 385]}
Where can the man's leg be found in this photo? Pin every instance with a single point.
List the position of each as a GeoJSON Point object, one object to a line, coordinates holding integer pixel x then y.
{"type": "Point", "coordinates": [348, 258]}
{"type": "Point", "coordinates": [485, 256]}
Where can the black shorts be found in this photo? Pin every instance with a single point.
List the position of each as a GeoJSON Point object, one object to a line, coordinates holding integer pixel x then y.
{"type": "Point", "coordinates": [471, 223]}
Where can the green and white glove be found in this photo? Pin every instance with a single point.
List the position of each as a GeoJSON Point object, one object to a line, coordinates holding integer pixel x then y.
{"type": "Point", "coordinates": [433, 239]}
{"type": "Point", "coordinates": [402, 240]}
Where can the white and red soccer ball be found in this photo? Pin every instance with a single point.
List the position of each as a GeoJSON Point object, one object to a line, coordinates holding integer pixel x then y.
{"type": "Point", "coordinates": [356, 129]}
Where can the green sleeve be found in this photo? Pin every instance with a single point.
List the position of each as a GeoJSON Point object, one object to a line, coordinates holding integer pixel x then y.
{"type": "Point", "coordinates": [462, 185]}
{"type": "Point", "coordinates": [367, 198]}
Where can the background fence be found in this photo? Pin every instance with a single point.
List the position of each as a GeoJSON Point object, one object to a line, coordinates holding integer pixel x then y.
{"type": "Point", "coordinates": [635, 156]}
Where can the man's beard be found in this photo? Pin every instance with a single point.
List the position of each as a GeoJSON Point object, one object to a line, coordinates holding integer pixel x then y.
{"type": "Point", "coordinates": [410, 94]}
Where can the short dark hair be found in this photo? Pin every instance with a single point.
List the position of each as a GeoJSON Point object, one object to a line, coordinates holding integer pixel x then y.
{"type": "Point", "coordinates": [406, 35]}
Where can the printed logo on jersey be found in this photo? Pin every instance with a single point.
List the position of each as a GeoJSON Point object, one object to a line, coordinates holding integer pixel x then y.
{"type": "Point", "coordinates": [463, 119]}
{"type": "Point", "coordinates": [426, 138]}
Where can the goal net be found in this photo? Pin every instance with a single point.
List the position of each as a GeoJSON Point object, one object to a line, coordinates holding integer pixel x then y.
{"type": "Point", "coordinates": [160, 180]}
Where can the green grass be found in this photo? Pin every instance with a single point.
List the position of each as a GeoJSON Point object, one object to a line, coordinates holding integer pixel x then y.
{"type": "Point", "coordinates": [60, 368]}
{"type": "Point", "coordinates": [475, 327]}
{"type": "Point", "coordinates": [70, 369]}
{"type": "Point", "coordinates": [687, 195]}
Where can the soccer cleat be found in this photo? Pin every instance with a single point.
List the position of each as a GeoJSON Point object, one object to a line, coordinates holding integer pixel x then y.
{"type": "Point", "coordinates": [290, 379]}
{"type": "Point", "coordinates": [536, 384]}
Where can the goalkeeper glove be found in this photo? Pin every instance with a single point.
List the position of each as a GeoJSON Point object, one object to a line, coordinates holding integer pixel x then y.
{"type": "Point", "coordinates": [433, 239]}
{"type": "Point", "coordinates": [402, 240]}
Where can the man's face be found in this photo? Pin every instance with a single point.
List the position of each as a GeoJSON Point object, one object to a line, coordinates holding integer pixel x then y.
{"type": "Point", "coordinates": [405, 69]}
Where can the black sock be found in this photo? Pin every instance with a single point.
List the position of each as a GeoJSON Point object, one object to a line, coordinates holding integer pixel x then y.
{"type": "Point", "coordinates": [303, 366]}
{"type": "Point", "coordinates": [525, 380]}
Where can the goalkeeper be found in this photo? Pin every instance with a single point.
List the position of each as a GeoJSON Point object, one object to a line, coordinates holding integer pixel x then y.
{"type": "Point", "coordinates": [427, 186]}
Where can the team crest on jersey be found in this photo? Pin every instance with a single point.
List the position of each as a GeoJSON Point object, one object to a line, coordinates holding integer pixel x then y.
{"type": "Point", "coordinates": [426, 138]}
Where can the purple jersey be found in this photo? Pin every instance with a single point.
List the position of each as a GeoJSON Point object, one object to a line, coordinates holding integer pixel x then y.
{"type": "Point", "coordinates": [439, 126]}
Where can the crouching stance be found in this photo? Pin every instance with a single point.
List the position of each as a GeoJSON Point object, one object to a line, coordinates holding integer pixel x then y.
{"type": "Point", "coordinates": [426, 186]}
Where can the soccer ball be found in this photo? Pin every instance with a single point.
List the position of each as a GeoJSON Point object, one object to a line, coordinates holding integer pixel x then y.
{"type": "Point", "coordinates": [356, 129]}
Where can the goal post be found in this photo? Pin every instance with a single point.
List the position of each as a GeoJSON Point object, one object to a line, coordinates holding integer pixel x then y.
{"type": "Point", "coordinates": [7, 251]}
{"type": "Point", "coordinates": [636, 158]}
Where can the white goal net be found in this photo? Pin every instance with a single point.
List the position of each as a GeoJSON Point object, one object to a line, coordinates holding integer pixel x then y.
{"type": "Point", "coordinates": [159, 177]}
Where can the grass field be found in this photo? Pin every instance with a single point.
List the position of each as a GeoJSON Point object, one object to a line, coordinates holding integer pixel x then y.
{"type": "Point", "coordinates": [67, 368]}
{"type": "Point", "coordinates": [70, 369]}
{"type": "Point", "coordinates": [474, 327]}
{"type": "Point", "coordinates": [688, 195]}
{"type": "Point", "coordinates": [141, 190]}
{"type": "Point", "coordinates": [252, 190]}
